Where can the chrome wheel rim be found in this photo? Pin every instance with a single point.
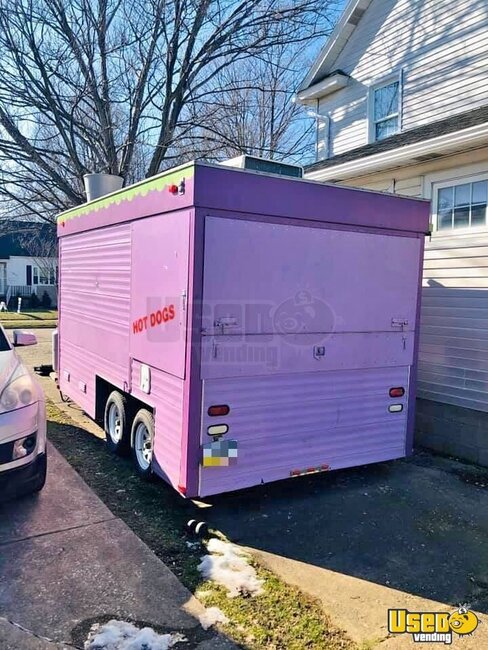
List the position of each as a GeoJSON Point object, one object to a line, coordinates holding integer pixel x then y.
{"type": "Point", "coordinates": [143, 446]}
{"type": "Point", "coordinates": [114, 424]}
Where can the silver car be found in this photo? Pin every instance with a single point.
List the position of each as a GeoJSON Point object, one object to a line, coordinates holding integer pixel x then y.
{"type": "Point", "coordinates": [23, 460]}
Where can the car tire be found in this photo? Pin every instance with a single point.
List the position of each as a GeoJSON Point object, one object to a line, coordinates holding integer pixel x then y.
{"type": "Point", "coordinates": [142, 442]}
{"type": "Point", "coordinates": [115, 424]}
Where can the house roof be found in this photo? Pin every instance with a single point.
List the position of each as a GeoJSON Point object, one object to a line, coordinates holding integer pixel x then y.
{"type": "Point", "coordinates": [423, 133]}
{"type": "Point", "coordinates": [23, 238]}
{"type": "Point", "coordinates": [322, 66]}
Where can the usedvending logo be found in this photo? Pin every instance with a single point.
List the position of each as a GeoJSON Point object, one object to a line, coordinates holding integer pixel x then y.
{"type": "Point", "coordinates": [433, 627]}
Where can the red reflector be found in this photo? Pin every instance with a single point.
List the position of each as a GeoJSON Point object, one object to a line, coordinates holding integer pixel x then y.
{"type": "Point", "coordinates": [219, 409]}
{"type": "Point", "coordinates": [173, 189]}
{"type": "Point", "coordinates": [397, 392]}
{"type": "Point", "coordinates": [182, 489]}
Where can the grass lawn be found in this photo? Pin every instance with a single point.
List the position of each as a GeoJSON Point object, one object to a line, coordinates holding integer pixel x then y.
{"type": "Point", "coordinates": [281, 618]}
{"type": "Point", "coordinates": [32, 318]}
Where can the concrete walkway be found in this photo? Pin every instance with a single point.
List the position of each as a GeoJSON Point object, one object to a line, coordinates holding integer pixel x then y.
{"type": "Point", "coordinates": [66, 562]}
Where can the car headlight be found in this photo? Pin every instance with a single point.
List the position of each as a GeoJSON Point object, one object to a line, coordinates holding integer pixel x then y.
{"type": "Point", "coordinates": [18, 393]}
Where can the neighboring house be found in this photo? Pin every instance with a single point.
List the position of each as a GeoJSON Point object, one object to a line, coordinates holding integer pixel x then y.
{"type": "Point", "coordinates": [401, 93]}
{"type": "Point", "coordinates": [24, 266]}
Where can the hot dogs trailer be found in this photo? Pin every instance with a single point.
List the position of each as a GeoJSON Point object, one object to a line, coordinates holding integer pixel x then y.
{"type": "Point", "coordinates": [232, 328]}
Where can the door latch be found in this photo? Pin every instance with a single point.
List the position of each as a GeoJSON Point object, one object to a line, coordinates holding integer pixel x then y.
{"type": "Point", "coordinates": [399, 322]}
{"type": "Point", "coordinates": [225, 323]}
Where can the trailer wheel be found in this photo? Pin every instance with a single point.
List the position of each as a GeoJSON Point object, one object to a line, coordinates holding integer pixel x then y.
{"type": "Point", "coordinates": [142, 437]}
{"type": "Point", "coordinates": [115, 423]}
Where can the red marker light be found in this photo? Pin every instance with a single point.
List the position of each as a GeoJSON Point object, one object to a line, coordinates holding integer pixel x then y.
{"type": "Point", "coordinates": [218, 410]}
{"type": "Point", "coordinates": [397, 392]}
{"type": "Point", "coordinates": [173, 189]}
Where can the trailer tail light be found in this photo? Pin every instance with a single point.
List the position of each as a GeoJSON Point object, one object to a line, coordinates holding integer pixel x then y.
{"type": "Point", "coordinates": [396, 408]}
{"type": "Point", "coordinates": [397, 392]}
{"type": "Point", "coordinates": [218, 430]}
{"type": "Point", "coordinates": [218, 410]}
{"type": "Point", "coordinates": [309, 470]}
{"type": "Point", "coordinates": [173, 189]}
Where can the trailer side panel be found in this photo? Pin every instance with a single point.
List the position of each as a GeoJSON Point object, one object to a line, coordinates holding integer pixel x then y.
{"type": "Point", "coordinates": [94, 311]}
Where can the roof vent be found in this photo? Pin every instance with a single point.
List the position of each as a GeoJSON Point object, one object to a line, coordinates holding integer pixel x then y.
{"type": "Point", "coordinates": [97, 185]}
{"type": "Point", "coordinates": [428, 156]}
{"type": "Point", "coordinates": [356, 16]}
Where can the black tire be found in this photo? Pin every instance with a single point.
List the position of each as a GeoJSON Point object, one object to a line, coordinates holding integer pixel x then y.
{"type": "Point", "coordinates": [115, 424]}
{"type": "Point", "coordinates": [143, 419]}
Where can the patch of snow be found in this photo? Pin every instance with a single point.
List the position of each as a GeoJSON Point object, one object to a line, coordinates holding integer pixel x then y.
{"type": "Point", "coordinates": [120, 635]}
{"type": "Point", "coordinates": [228, 565]}
{"type": "Point", "coordinates": [211, 616]}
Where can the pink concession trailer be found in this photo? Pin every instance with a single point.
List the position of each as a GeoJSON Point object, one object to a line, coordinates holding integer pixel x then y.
{"type": "Point", "coordinates": [232, 328]}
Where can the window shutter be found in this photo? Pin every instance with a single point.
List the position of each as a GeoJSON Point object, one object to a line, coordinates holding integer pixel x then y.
{"type": "Point", "coordinates": [28, 270]}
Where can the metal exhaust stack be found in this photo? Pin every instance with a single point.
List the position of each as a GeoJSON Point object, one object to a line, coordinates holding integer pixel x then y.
{"type": "Point", "coordinates": [97, 185]}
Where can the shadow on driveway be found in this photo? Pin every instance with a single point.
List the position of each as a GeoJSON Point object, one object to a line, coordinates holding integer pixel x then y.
{"type": "Point", "coordinates": [418, 525]}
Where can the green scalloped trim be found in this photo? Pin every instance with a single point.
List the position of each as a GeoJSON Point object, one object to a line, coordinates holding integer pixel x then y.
{"type": "Point", "coordinates": [157, 183]}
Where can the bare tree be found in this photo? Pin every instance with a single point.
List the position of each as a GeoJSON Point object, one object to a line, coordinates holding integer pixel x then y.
{"type": "Point", "coordinates": [252, 110]}
{"type": "Point", "coordinates": [103, 85]}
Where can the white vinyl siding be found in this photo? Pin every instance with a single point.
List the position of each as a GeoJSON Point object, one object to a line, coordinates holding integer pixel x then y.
{"type": "Point", "coordinates": [406, 186]}
{"type": "Point", "coordinates": [409, 186]}
{"type": "Point", "coordinates": [442, 48]}
{"type": "Point", "coordinates": [453, 364]}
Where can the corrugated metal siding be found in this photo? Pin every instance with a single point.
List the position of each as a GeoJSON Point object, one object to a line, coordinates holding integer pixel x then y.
{"type": "Point", "coordinates": [94, 310]}
{"type": "Point", "coordinates": [304, 420]}
{"type": "Point", "coordinates": [442, 47]}
{"type": "Point", "coordinates": [453, 365]}
{"type": "Point", "coordinates": [167, 398]}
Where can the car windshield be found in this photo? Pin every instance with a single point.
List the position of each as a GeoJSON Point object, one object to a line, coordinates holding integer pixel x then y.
{"type": "Point", "coordinates": [4, 344]}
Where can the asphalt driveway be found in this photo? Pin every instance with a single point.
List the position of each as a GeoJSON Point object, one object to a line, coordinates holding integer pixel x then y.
{"type": "Point", "coordinates": [411, 533]}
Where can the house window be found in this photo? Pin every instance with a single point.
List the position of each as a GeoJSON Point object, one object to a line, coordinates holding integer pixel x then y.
{"type": "Point", "coordinates": [44, 275]}
{"type": "Point", "coordinates": [462, 206]}
{"type": "Point", "coordinates": [385, 110]}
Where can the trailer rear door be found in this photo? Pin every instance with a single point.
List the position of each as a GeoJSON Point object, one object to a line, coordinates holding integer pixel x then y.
{"type": "Point", "coordinates": [257, 275]}
{"type": "Point", "coordinates": [305, 332]}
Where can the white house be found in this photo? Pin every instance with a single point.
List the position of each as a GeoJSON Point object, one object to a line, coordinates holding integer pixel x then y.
{"type": "Point", "coordinates": [400, 90]}
{"type": "Point", "coordinates": [22, 272]}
